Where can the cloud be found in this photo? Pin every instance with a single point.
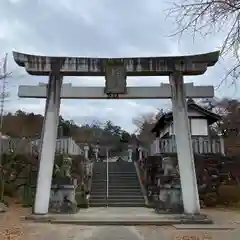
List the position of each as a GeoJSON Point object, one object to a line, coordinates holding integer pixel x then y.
{"type": "Point", "coordinates": [96, 29]}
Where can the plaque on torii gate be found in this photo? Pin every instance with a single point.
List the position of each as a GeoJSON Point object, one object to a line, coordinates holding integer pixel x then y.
{"type": "Point", "coordinates": [116, 78]}
{"type": "Point", "coordinates": [174, 67]}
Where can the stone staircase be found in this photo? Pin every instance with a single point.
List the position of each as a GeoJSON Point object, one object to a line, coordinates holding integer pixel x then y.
{"type": "Point", "coordinates": [123, 186]}
{"type": "Point", "coordinates": [98, 196]}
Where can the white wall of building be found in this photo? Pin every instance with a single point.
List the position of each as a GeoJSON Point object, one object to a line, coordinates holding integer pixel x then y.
{"type": "Point", "coordinates": [199, 127]}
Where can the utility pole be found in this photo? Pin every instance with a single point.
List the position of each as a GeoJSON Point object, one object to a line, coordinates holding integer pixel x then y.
{"type": "Point", "coordinates": [4, 94]}
{"type": "Point", "coordinates": [3, 77]}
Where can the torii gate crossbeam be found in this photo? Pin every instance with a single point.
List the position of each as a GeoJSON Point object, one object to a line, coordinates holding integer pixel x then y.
{"type": "Point", "coordinates": [71, 92]}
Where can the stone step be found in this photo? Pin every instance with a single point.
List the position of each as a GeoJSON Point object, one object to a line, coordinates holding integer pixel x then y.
{"type": "Point", "coordinates": [125, 201]}
{"type": "Point", "coordinates": [97, 199]}
{"type": "Point", "coordinates": [132, 173]}
{"type": "Point", "coordinates": [123, 182]}
{"type": "Point", "coordinates": [126, 166]}
{"type": "Point", "coordinates": [117, 201]}
{"type": "Point", "coordinates": [114, 179]}
{"type": "Point", "coordinates": [98, 204]}
{"type": "Point", "coordinates": [121, 194]}
{"type": "Point", "coordinates": [134, 177]}
{"type": "Point", "coordinates": [120, 197]}
{"type": "Point", "coordinates": [118, 204]}
{"type": "Point", "coordinates": [115, 172]}
{"type": "Point", "coordinates": [95, 185]}
{"type": "Point", "coordinates": [115, 187]}
{"type": "Point", "coordinates": [120, 164]}
{"type": "Point", "coordinates": [127, 184]}
{"type": "Point", "coordinates": [125, 195]}
{"type": "Point", "coordinates": [130, 217]}
{"type": "Point", "coordinates": [122, 171]}
{"type": "Point", "coordinates": [113, 183]}
{"type": "Point", "coordinates": [116, 193]}
{"type": "Point", "coordinates": [119, 190]}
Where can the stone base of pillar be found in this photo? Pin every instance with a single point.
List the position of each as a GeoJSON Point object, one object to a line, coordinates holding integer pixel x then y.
{"type": "Point", "coordinates": [194, 218]}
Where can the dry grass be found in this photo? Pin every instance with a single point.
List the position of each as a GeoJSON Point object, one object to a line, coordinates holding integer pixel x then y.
{"type": "Point", "coordinates": [228, 196]}
{"type": "Point", "coordinates": [11, 225]}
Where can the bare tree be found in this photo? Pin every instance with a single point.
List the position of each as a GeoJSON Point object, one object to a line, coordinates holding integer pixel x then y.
{"type": "Point", "coordinates": [145, 119]}
{"type": "Point", "coordinates": [144, 124]}
{"type": "Point", "coordinates": [208, 17]}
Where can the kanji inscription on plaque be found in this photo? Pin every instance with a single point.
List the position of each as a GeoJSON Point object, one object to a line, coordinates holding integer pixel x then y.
{"type": "Point", "coordinates": [116, 78]}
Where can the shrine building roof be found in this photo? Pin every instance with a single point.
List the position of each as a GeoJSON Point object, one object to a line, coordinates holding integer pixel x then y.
{"type": "Point", "coordinates": [168, 117]}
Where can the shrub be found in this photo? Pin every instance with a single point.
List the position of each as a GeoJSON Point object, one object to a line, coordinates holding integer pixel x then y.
{"type": "Point", "coordinates": [228, 195]}
{"type": "Point", "coordinates": [81, 200]}
{"type": "Point", "coordinates": [210, 199]}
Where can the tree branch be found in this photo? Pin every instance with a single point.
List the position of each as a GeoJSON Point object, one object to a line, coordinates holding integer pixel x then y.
{"type": "Point", "coordinates": [207, 17]}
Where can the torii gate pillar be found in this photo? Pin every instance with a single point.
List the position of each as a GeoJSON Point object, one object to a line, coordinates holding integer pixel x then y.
{"type": "Point", "coordinates": [184, 145]}
{"type": "Point", "coordinates": [48, 145]}
{"type": "Point", "coordinates": [174, 67]}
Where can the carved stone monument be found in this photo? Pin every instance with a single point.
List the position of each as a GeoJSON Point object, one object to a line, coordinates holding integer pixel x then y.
{"type": "Point", "coordinates": [62, 196]}
{"type": "Point", "coordinates": [170, 197]}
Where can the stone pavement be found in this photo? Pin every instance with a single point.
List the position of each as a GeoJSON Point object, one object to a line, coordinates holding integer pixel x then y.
{"type": "Point", "coordinates": [102, 216]}
{"type": "Point", "coordinates": [44, 231]}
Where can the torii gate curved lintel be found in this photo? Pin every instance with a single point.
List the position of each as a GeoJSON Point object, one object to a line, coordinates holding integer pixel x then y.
{"type": "Point", "coordinates": [136, 66]}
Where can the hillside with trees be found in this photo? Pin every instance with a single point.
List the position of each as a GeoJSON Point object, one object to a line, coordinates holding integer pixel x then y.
{"type": "Point", "coordinates": [29, 125]}
{"type": "Point", "coordinates": [18, 172]}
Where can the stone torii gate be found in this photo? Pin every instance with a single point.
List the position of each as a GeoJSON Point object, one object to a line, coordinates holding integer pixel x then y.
{"type": "Point", "coordinates": [116, 72]}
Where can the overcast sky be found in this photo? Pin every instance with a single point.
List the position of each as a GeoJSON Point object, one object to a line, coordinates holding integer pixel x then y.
{"type": "Point", "coordinates": [98, 28]}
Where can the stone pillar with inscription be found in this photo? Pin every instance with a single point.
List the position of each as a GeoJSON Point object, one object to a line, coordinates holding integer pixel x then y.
{"type": "Point", "coordinates": [86, 149]}
{"type": "Point", "coordinates": [140, 153]}
{"type": "Point", "coordinates": [130, 151]}
{"type": "Point", "coordinates": [96, 150]}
